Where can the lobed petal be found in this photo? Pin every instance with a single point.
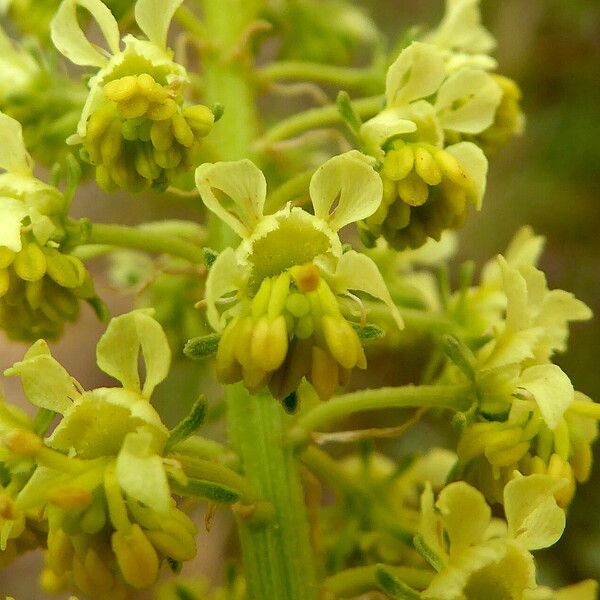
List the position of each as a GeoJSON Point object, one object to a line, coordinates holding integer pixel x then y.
{"type": "Point", "coordinates": [154, 18]}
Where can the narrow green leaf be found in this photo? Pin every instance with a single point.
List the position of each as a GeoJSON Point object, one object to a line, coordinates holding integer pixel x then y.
{"type": "Point", "coordinates": [394, 587]}
{"type": "Point", "coordinates": [188, 425]}
{"type": "Point", "coordinates": [208, 490]}
{"type": "Point", "coordinates": [202, 347]}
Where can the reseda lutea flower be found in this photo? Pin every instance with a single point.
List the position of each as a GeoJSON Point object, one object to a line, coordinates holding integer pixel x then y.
{"type": "Point", "coordinates": [428, 184]}
{"type": "Point", "coordinates": [478, 557]}
{"type": "Point", "coordinates": [283, 287]}
{"type": "Point", "coordinates": [135, 127]}
{"type": "Point", "coordinates": [101, 478]}
{"type": "Point", "coordinates": [524, 419]}
{"type": "Point", "coordinates": [40, 285]}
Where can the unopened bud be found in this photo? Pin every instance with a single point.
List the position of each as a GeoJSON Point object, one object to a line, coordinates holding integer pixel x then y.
{"type": "Point", "coordinates": [136, 557]}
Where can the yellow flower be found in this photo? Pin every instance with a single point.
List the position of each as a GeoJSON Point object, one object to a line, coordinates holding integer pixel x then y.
{"type": "Point", "coordinates": [134, 127]}
{"type": "Point", "coordinates": [479, 557]}
{"type": "Point", "coordinates": [289, 275]}
{"type": "Point", "coordinates": [40, 285]}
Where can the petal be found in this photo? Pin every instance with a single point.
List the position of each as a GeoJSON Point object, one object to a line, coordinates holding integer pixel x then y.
{"type": "Point", "coordinates": [385, 125]}
{"type": "Point", "coordinates": [154, 18]}
{"type": "Point", "coordinates": [118, 349]}
{"type": "Point", "coordinates": [45, 382]}
{"type": "Point", "coordinates": [454, 502]}
{"type": "Point", "coordinates": [223, 278]}
{"type": "Point", "coordinates": [350, 185]}
{"type": "Point", "coordinates": [417, 73]}
{"type": "Point", "coordinates": [475, 164]}
{"type": "Point", "coordinates": [534, 518]}
{"type": "Point", "coordinates": [69, 39]}
{"type": "Point", "coordinates": [358, 272]}
{"type": "Point", "coordinates": [12, 212]}
{"type": "Point", "coordinates": [141, 474]}
{"type": "Point", "coordinates": [243, 183]}
{"type": "Point", "coordinates": [429, 525]}
{"type": "Point", "coordinates": [461, 29]}
{"type": "Point", "coordinates": [552, 390]}
{"type": "Point", "coordinates": [14, 157]}
{"type": "Point", "coordinates": [467, 101]}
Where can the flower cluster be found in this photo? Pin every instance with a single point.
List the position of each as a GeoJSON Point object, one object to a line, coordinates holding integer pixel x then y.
{"type": "Point", "coordinates": [99, 482]}
{"type": "Point", "coordinates": [284, 286]}
{"type": "Point", "coordinates": [40, 284]}
{"type": "Point", "coordinates": [528, 416]}
{"type": "Point", "coordinates": [442, 107]}
{"type": "Point", "coordinates": [135, 128]}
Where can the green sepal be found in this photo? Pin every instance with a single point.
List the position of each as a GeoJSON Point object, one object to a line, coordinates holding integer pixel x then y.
{"type": "Point", "coordinates": [348, 114]}
{"type": "Point", "coordinates": [368, 332]}
{"type": "Point", "coordinates": [174, 565]}
{"type": "Point", "coordinates": [461, 420]}
{"type": "Point", "coordinates": [202, 347]}
{"type": "Point", "coordinates": [460, 355]}
{"type": "Point", "coordinates": [99, 307]}
{"type": "Point", "coordinates": [209, 256]}
{"type": "Point", "coordinates": [392, 586]}
{"type": "Point", "coordinates": [427, 553]}
{"type": "Point", "coordinates": [188, 425]}
{"type": "Point", "coordinates": [207, 490]}
{"type": "Point", "coordinates": [218, 110]}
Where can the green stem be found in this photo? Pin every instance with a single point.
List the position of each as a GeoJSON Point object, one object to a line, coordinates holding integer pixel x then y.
{"type": "Point", "coordinates": [454, 397]}
{"type": "Point", "coordinates": [189, 21]}
{"type": "Point", "coordinates": [277, 554]}
{"type": "Point", "coordinates": [317, 118]}
{"type": "Point", "coordinates": [345, 77]}
{"type": "Point", "coordinates": [361, 580]}
{"type": "Point", "coordinates": [228, 80]}
{"type": "Point", "coordinates": [138, 238]}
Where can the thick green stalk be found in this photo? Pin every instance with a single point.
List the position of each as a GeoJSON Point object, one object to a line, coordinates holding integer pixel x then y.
{"type": "Point", "coordinates": [122, 236]}
{"type": "Point", "coordinates": [228, 80]}
{"type": "Point", "coordinates": [277, 553]}
{"type": "Point", "coordinates": [454, 397]}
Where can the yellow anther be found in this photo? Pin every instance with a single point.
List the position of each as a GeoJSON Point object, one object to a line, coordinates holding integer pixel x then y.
{"type": "Point", "coordinates": [111, 143]}
{"type": "Point", "coordinates": [136, 557]}
{"type": "Point", "coordinates": [6, 257]}
{"type": "Point", "coordinates": [182, 131]}
{"type": "Point", "coordinates": [70, 497]}
{"type": "Point", "coordinates": [426, 167]}
{"type": "Point", "coordinates": [200, 118]}
{"type": "Point", "coordinates": [121, 89]}
{"type": "Point", "coordinates": [161, 135]}
{"type": "Point", "coordinates": [135, 107]}
{"type": "Point", "coordinates": [269, 343]}
{"type": "Point", "coordinates": [30, 263]}
{"type": "Point", "coordinates": [279, 294]}
{"type": "Point", "coordinates": [413, 190]}
{"type": "Point", "coordinates": [23, 443]}
{"type": "Point", "coordinates": [450, 167]}
{"type": "Point", "coordinates": [324, 373]}
{"type": "Point", "coordinates": [398, 163]}
{"type": "Point", "coordinates": [152, 90]}
{"type": "Point", "coordinates": [163, 111]}
{"type": "Point", "coordinates": [260, 302]}
{"type": "Point", "coordinates": [506, 456]}
{"type": "Point", "coordinates": [4, 282]}
{"type": "Point", "coordinates": [339, 337]}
